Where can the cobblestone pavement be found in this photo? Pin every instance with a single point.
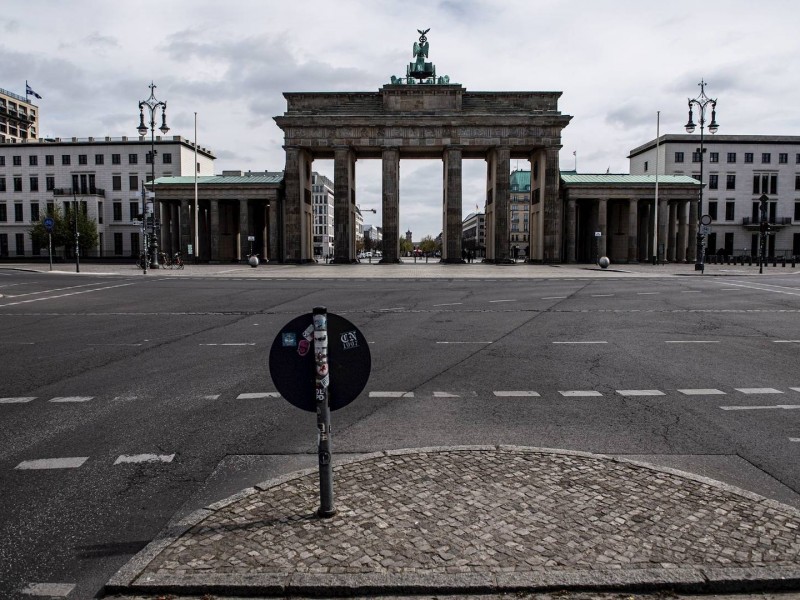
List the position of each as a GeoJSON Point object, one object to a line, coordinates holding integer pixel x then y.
{"type": "Point", "coordinates": [482, 520]}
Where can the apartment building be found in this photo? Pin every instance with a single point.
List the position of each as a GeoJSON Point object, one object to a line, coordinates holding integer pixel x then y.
{"type": "Point", "coordinates": [19, 119]}
{"type": "Point", "coordinates": [322, 201]}
{"type": "Point", "coordinates": [737, 171]}
{"type": "Point", "coordinates": [105, 175]}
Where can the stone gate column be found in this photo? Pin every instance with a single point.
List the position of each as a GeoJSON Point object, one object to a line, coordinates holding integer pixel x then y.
{"type": "Point", "coordinates": [244, 231]}
{"type": "Point", "coordinates": [275, 227]}
{"type": "Point", "coordinates": [391, 205]}
{"type": "Point", "coordinates": [344, 205]}
{"type": "Point", "coordinates": [691, 256]}
{"type": "Point", "coordinates": [297, 217]}
{"type": "Point", "coordinates": [633, 230]}
{"type": "Point", "coordinates": [451, 228]}
{"type": "Point", "coordinates": [501, 179]}
{"type": "Point", "coordinates": [602, 227]}
{"type": "Point", "coordinates": [186, 230]}
{"type": "Point", "coordinates": [552, 206]}
{"type": "Point", "coordinates": [672, 226]}
{"type": "Point", "coordinates": [680, 251]}
{"type": "Point", "coordinates": [663, 229]}
{"type": "Point", "coordinates": [214, 230]}
{"type": "Point", "coordinates": [571, 230]}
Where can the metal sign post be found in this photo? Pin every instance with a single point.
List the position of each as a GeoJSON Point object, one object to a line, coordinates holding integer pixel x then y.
{"type": "Point", "coordinates": [323, 379]}
{"type": "Point", "coordinates": [49, 223]}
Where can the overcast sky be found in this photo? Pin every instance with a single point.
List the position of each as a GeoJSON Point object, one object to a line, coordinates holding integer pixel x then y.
{"type": "Point", "coordinates": [616, 62]}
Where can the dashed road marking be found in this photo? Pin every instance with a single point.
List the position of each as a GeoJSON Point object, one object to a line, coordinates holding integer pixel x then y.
{"type": "Point", "coordinates": [18, 400]}
{"type": "Point", "coordinates": [463, 342]}
{"type": "Point", "coordinates": [255, 395]}
{"type": "Point", "coordinates": [794, 439]}
{"type": "Point", "coordinates": [71, 398]}
{"type": "Point", "coordinates": [602, 295]}
{"type": "Point", "coordinates": [554, 298]}
{"type": "Point", "coordinates": [391, 394]}
{"type": "Point", "coordinates": [492, 301]}
{"type": "Point", "coordinates": [445, 395]}
{"type": "Point", "coordinates": [641, 393]}
{"type": "Point", "coordinates": [797, 389]}
{"type": "Point", "coordinates": [143, 458]}
{"type": "Point", "coordinates": [516, 394]}
{"type": "Point", "coordinates": [776, 406]}
{"type": "Point", "coordinates": [70, 462]}
{"type": "Point", "coordinates": [599, 342]}
{"type": "Point", "coordinates": [758, 390]}
{"type": "Point", "coordinates": [579, 393]}
{"type": "Point", "coordinates": [210, 396]}
{"type": "Point", "coordinates": [232, 344]}
{"type": "Point", "coordinates": [690, 292]}
{"type": "Point", "coordinates": [449, 304]}
{"type": "Point", "coordinates": [646, 293]}
{"type": "Point", "coordinates": [49, 590]}
{"type": "Point", "coordinates": [691, 341]}
{"type": "Point", "coordinates": [702, 392]}
{"type": "Point", "coordinates": [786, 341]}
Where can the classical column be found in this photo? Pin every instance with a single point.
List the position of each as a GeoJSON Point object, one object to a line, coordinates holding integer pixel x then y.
{"type": "Point", "coordinates": [213, 230]}
{"type": "Point", "coordinates": [691, 255]}
{"type": "Point", "coordinates": [244, 231]}
{"type": "Point", "coordinates": [490, 212]}
{"type": "Point", "coordinates": [571, 230]}
{"type": "Point", "coordinates": [451, 228]}
{"type": "Point", "coordinates": [602, 227]}
{"type": "Point", "coordinates": [344, 205]}
{"type": "Point", "coordinates": [680, 251]}
{"type": "Point", "coordinates": [186, 230]}
{"type": "Point", "coordinates": [275, 234]}
{"type": "Point", "coordinates": [633, 230]}
{"type": "Point", "coordinates": [391, 205]}
{"type": "Point", "coordinates": [646, 237]}
{"type": "Point", "coordinates": [297, 217]}
{"type": "Point", "coordinates": [501, 176]}
{"type": "Point", "coordinates": [672, 225]}
{"type": "Point", "coordinates": [663, 229]}
{"type": "Point", "coordinates": [552, 207]}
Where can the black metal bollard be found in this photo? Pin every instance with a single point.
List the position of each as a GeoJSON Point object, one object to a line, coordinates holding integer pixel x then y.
{"type": "Point", "coordinates": [320, 318]}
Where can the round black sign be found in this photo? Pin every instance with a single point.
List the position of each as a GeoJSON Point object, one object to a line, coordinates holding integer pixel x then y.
{"type": "Point", "coordinates": [292, 367]}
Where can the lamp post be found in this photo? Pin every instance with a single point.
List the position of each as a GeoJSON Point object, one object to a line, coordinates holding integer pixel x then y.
{"type": "Point", "coordinates": [702, 102]}
{"type": "Point", "coordinates": [152, 104]}
{"type": "Point", "coordinates": [77, 235]}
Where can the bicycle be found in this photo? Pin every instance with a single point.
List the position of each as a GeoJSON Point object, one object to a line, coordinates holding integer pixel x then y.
{"type": "Point", "coordinates": [166, 261]}
{"type": "Point", "coordinates": [142, 261]}
{"type": "Point", "coordinates": [177, 261]}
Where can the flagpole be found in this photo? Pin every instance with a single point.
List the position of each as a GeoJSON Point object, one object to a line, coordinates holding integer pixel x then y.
{"type": "Point", "coordinates": [655, 213]}
{"type": "Point", "coordinates": [196, 236]}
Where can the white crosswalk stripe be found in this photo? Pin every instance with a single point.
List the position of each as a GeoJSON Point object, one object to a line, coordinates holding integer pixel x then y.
{"type": "Point", "coordinates": [18, 400]}
{"type": "Point", "coordinates": [256, 395]}
{"type": "Point", "coordinates": [770, 407]}
{"type": "Point", "coordinates": [144, 458]}
{"type": "Point", "coordinates": [641, 393]}
{"type": "Point", "coordinates": [702, 392]}
{"type": "Point", "coordinates": [71, 398]}
{"type": "Point", "coordinates": [579, 393]}
{"type": "Point", "coordinates": [758, 390]}
{"type": "Point", "coordinates": [445, 395]}
{"type": "Point", "coordinates": [391, 394]}
{"type": "Point", "coordinates": [48, 590]}
{"type": "Point", "coordinates": [71, 462]}
{"type": "Point", "coordinates": [516, 394]}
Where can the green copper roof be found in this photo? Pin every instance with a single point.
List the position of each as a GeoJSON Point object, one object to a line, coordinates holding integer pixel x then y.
{"type": "Point", "coordinates": [221, 179]}
{"type": "Point", "coordinates": [573, 178]}
{"type": "Point", "coordinates": [521, 179]}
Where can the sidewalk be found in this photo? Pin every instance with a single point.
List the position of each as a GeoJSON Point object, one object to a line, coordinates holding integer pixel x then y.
{"type": "Point", "coordinates": [466, 520]}
{"type": "Point", "coordinates": [411, 270]}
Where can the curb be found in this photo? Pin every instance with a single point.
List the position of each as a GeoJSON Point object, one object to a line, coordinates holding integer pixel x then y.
{"type": "Point", "coordinates": [679, 579]}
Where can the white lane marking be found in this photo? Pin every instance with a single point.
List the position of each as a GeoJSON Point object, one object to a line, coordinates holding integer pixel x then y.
{"type": "Point", "coordinates": [449, 304]}
{"type": "Point", "coordinates": [778, 406]}
{"type": "Point", "coordinates": [795, 292]}
{"type": "Point", "coordinates": [210, 397]}
{"type": "Point", "coordinates": [110, 287]}
{"type": "Point", "coordinates": [232, 344]}
{"type": "Point", "coordinates": [729, 289]}
{"type": "Point", "coordinates": [71, 287]}
{"type": "Point", "coordinates": [463, 342]}
{"type": "Point", "coordinates": [794, 439]}
{"type": "Point", "coordinates": [516, 394]}
{"type": "Point", "coordinates": [235, 270]}
{"type": "Point", "coordinates": [554, 298]}
{"type": "Point", "coordinates": [17, 400]}
{"type": "Point", "coordinates": [70, 462]}
{"type": "Point", "coordinates": [391, 394]}
{"type": "Point", "coordinates": [702, 392]}
{"type": "Point", "coordinates": [786, 341]}
{"type": "Point", "coordinates": [255, 395]}
{"type": "Point", "coordinates": [113, 344]}
{"type": "Point", "coordinates": [445, 395]}
{"type": "Point", "coordinates": [758, 390]}
{"type": "Point", "coordinates": [141, 458]}
{"type": "Point", "coordinates": [492, 301]}
{"type": "Point", "coordinates": [690, 291]}
{"type": "Point", "coordinates": [71, 398]}
{"type": "Point", "coordinates": [394, 308]}
{"type": "Point", "coordinates": [579, 393]}
{"type": "Point", "coordinates": [17, 343]}
{"type": "Point", "coordinates": [601, 295]}
{"type": "Point", "coordinates": [641, 393]}
{"type": "Point", "coordinates": [646, 293]}
{"type": "Point", "coordinates": [691, 341]}
{"type": "Point", "coordinates": [49, 590]}
{"type": "Point", "coordinates": [580, 342]}
{"type": "Point", "coordinates": [797, 389]}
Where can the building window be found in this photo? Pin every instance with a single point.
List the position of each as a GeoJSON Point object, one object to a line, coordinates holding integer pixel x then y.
{"type": "Point", "coordinates": [133, 159]}
{"type": "Point", "coordinates": [765, 183]}
{"type": "Point", "coordinates": [731, 157]}
{"type": "Point", "coordinates": [148, 158]}
{"type": "Point", "coordinates": [65, 159]}
{"type": "Point", "coordinates": [730, 211]}
{"type": "Point", "coordinates": [49, 160]}
{"type": "Point", "coordinates": [679, 157]}
{"type": "Point", "coordinates": [797, 182]}
{"type": "Point", "coordinates": [18, 217]}
{"type": "Point", "coordinates": [50, 208]}
{"type": "Point", "coordinates": [99, 159]}
{"type": "Point", "coordinates": [645, 166]}
{"type": "Point", "coordinates": [713, 181]}
{"type": "Point", "coordinates": [748, 157]}
{"type": "Point", "coordinates": [34, 184]}
{"type": "Point", "coordinates": [3, 161]}
{"type": "Point", "coordinates": [118, 211]}
{"type": "Point", "coordinates": [100, 213]}
{"type": "Point", "coordinates": [134, 243]}
{"type": "Point", "coordinates": [34, 212]}
{"type": "Point", "coordinates": [730, 183]}
{"type": "Point", "coordinates": [83, 159]}
{"type": "Point", "coordinates": [713, 157]}
{"type": "Point", "coordinates": [118, 244]}
{"type": "Point", "coordinates": [50, 183]}
{"type": "Point", "coordinates": [797, 158]}
{"type": "Point", "coordinates": [2, 184]}
{"type": "Point", "coordinates": [695, 157]}
{"type": "Point", "coordinates": [16, 161]}
{"type": "Point", "coordinates": [167, 158]}
{"type": "Point", "coordinates": [19, 242]}
{"type": "Point", "coordinates": [116, 159]}
{"type": "Point", "coordinates": [797, 211]}
{"type": "Point", "coordinates": [783, 158]}
{"type": "Point", "coordinates": [133, 210]}
{"type": "Point", "coordinates": [17, 184]}
{"type": "Point", "coordinates": [3, 214]}
{"type": "Point", "coordinates": [766, 157]}
{"type": "Point", "coordinates": [133, 182]}
{"type": "Point", "coordinates": [712, 209]}
{"type": "Point", "coordinates": [33, 160]}
{"type": "Point", "coordinates": [116, 183]}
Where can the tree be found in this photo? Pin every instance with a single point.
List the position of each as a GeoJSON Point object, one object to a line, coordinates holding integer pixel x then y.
{"type": "Point", "coordinates": [405, 246]}
{"type": "Point", "coordinates": [428, 244]}
{"type": "Point", "coordinates": [64, 231]}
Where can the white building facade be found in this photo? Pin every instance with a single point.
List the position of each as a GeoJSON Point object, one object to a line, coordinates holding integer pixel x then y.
{"type": "Point", "coordinates": [322, 198]}
{"type": "Point", "coordinates": [105, 175]}
{"type": "Point", "coordinates": [737, 171]}
{"type": "Point", "coordinates": [19, 118]}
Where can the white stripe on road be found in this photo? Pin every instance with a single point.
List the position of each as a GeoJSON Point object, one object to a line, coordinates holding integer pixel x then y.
{"type": "Point", "coordinates": [794, 439]}
{"type": "Point", "coordinates": [646, 293]}
{"type": "Point", "coordinates": [580, 342]}
{"type": "Point", "coordinates": [690, 292]}
{"type": "Point", "coordinates": [786, 341]}
{"type": "Point", "coordinates": [463, 342]}
{"type": "Point", "coordinates": [491, 301]}
{"type": "Point", "coordinates": [778, 406]}
{"type": "Point", "coordinates": [71, 398]}
{"type": "Point", "coordinates": [17, 400]}
{"type": "Point", "coordinates": [554, 298]}
{"type": "Point", "coordinates": [113, 344]}
{"type": "Point", "coordinates": [449, 304]}
{"type": "Point", "coordinates": [641, 393]}
{"type": "Point", "coordinates": [256, 395]}
{"type": "Point", "coordinates": [702, 392]}
{"type": "Point", "coordinates": [111, 287]}
{"type": "Point", "coordinates": [516, 394]}
{"type": "Point", "coordinates": [579, 393]}
{"type": "Point", "coordinates": [691, 341]}
{"type": "Point", "coordinates": [797, 389]}
{"type": "Point", "coordinates": [210, 397]}
{"type": "Point", "coordinates": [444, 395]}
{"type": "Point", "coordinates": [72, 462]}
{"type": "Point", "coordinates": [141, 458]}
{"type": "Point", "coordinates": [795, 292]}
{"type": "Point", "coordinates": [49, 590]}
{"type": "Point", "coordinates": [601, 295]}
{"type": "Point", "coordinates": [391, 394]}
{"type": "Point", "coordinates": [758, 390]}
{"type": "Point", "coordinates": [232, 344]}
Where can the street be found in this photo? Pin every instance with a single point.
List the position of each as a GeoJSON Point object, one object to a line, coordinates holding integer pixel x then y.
{"type": "Point", "coordinates": [125, 400]}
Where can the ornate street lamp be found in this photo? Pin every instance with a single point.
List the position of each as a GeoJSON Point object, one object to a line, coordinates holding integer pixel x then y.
{"type": "Point", "coordinates": [702, 102]}
{"type": "Point", "coordinates": [152, 104]}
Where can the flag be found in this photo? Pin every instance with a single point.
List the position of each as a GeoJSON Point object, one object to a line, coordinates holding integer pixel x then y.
{"type": "Point", "coordinates": [29, 91]}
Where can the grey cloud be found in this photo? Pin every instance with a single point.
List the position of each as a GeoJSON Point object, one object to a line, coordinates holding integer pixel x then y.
{"type": "Point", "coordinates": [100, 41]}
{"type": "Point", "coordinates": [9, 25]}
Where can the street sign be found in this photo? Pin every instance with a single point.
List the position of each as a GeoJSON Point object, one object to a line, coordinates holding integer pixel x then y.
{"type": "Point", "coordinates": [292, 362]}
{"type": "Point", "coordinates": [49, 223]}
{"type": "Point", "coordinates": [705, 229]}
{"type": "Point", "coordinates": [251, 238]}
{"type": "Point", "coordinates": [598, 234]}
{"type": "Point", "coordinates": [705, 220]}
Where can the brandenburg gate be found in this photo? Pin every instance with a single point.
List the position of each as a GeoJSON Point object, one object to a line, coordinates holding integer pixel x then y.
{"type": "Point", "coordinates": [421, 116]}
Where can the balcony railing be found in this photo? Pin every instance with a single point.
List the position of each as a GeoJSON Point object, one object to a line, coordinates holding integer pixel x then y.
{"type": "Point", "coordinates": [87, 191]}
{"type": "Point", "coordinates": [776, 222]}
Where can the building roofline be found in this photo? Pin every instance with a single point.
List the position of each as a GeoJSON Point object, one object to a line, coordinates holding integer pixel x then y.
{"type": "Point", "coordinates": [108, 141]}
{"type": "Point", "coordinates": [694, 138]}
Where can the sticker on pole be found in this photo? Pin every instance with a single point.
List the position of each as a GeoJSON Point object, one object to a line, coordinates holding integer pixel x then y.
{"type": "Point", "coordinates": [293, 368]}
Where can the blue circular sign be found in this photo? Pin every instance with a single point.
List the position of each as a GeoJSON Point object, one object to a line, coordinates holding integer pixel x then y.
{"type": "Point", "coordinates": [49, 223]}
